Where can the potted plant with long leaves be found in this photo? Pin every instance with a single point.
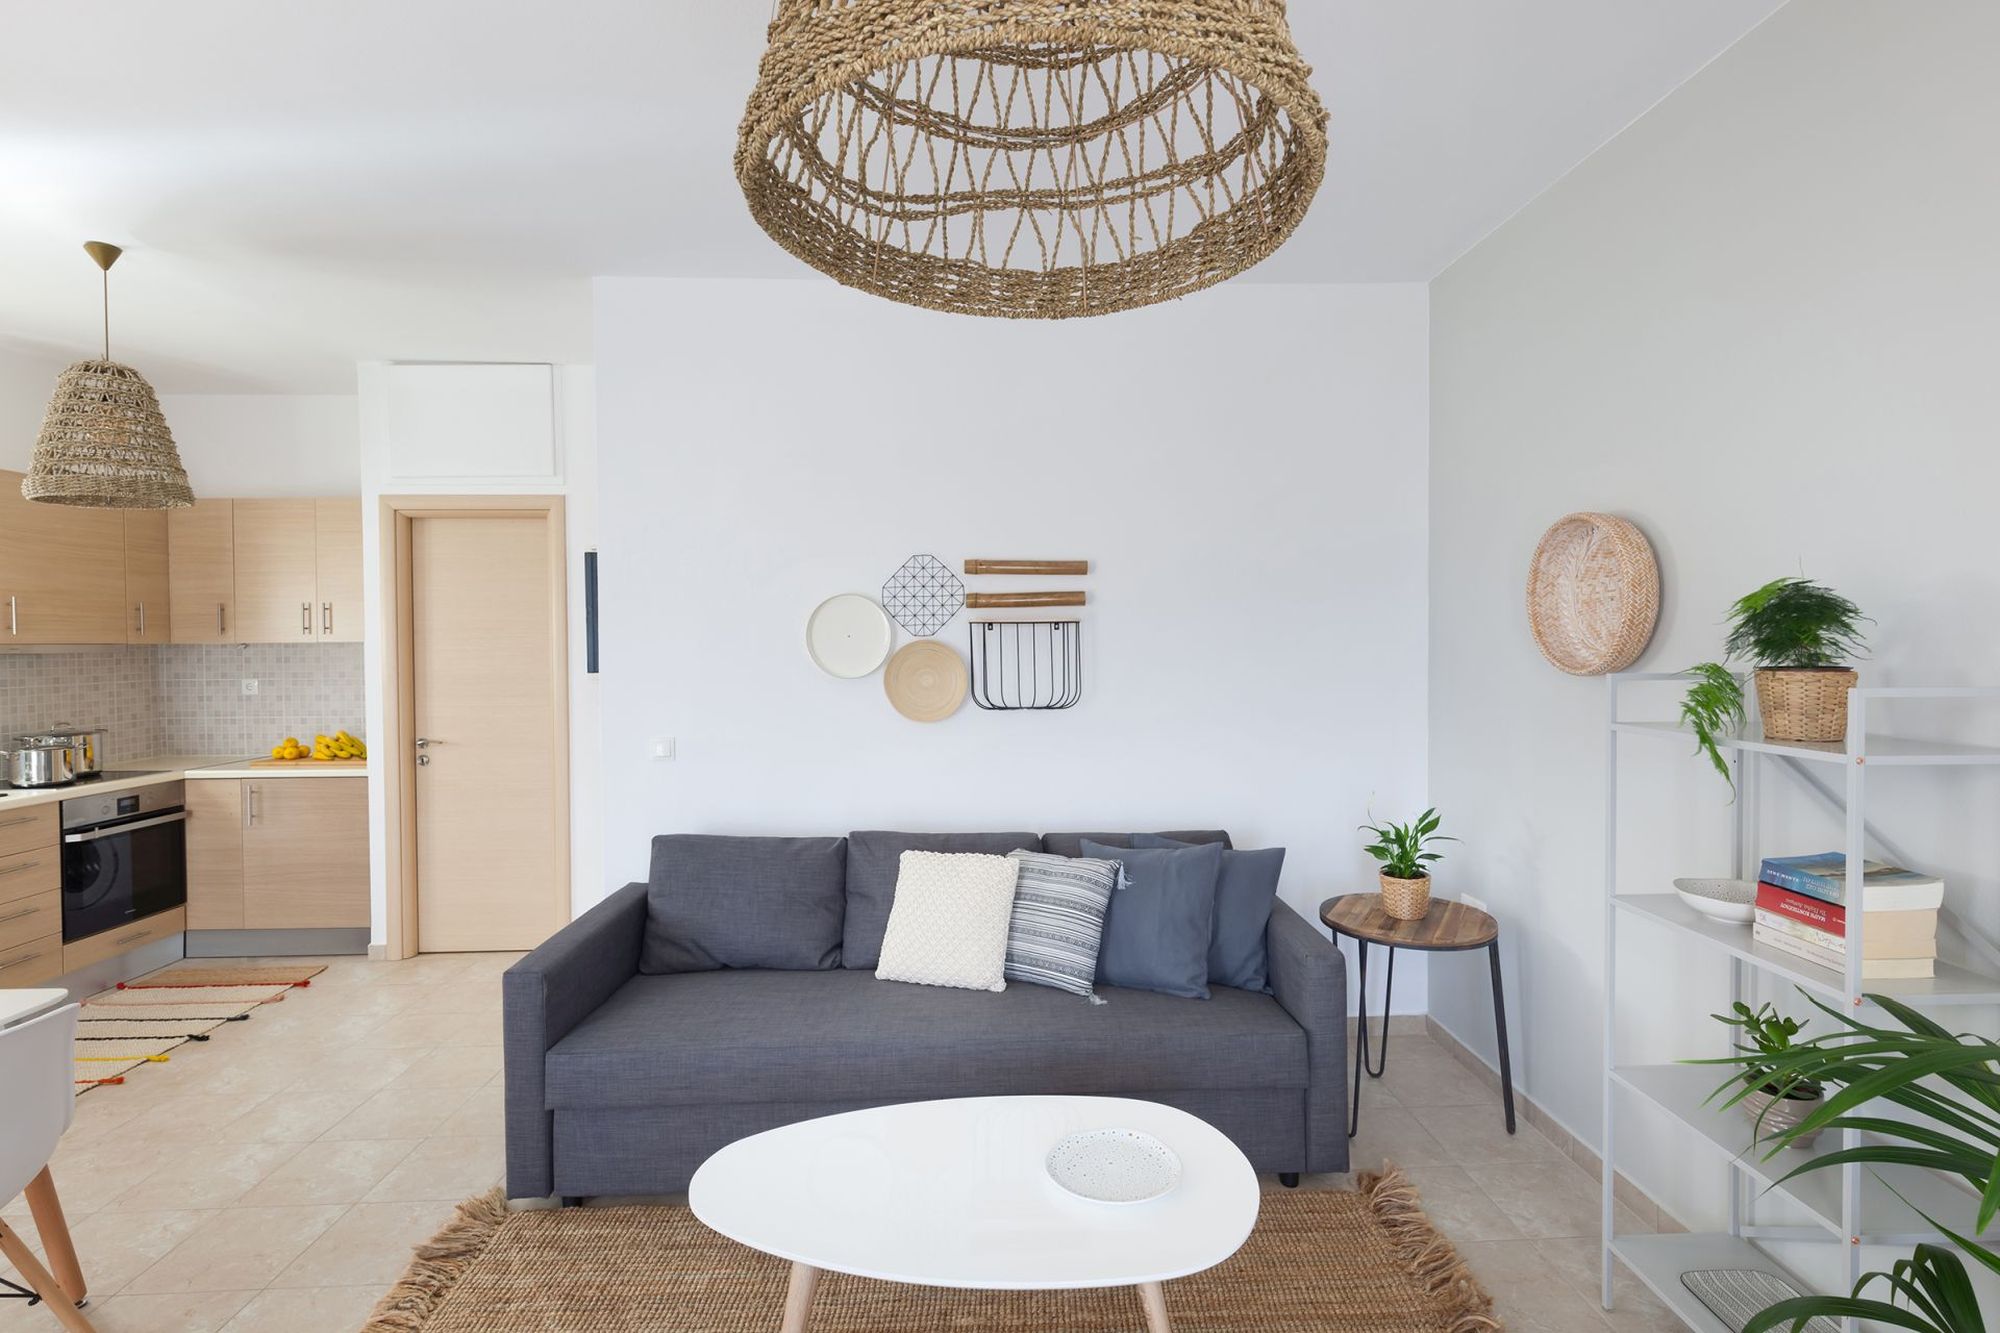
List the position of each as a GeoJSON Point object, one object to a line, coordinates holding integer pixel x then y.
{"type": "Point", "coordinates": [1951, 1082]}
{"type": "Point", "coordinates": [1773, 1102]}
{"type": "Point", "coordinates": [1404, 851]}
{"type": "Point", "coordinates": [1798, 636]}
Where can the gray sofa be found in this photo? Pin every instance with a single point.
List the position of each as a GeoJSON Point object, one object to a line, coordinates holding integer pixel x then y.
{"type": "Point", "coordinates": [621, 1083]}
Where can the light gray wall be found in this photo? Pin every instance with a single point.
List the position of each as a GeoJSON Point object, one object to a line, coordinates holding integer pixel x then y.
{"type": "Point", "coordinates": [1765, 325]}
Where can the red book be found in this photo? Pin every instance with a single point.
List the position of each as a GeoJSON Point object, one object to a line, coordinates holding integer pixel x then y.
{"type": "Point", "coordinates": [1803, 908]}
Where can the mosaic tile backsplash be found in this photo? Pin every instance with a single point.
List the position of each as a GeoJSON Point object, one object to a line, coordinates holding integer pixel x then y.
{"type": "Point", "coordinates": [187, 699]}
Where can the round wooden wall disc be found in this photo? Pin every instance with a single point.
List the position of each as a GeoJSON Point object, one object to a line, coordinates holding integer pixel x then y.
{"type": "Point", "coordinates": [925, 680]}
{"type": "Point", "coordinates": [1593, 594]}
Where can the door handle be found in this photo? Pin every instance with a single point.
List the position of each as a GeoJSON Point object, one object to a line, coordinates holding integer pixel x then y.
{"type": "Point", "coordinates": [425, 742]}
{"type": "Point", "coordinates": [326, 618]}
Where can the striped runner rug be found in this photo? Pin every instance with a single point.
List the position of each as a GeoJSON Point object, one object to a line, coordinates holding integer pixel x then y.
{"type": "Point", "coordinates": [142, 1020]}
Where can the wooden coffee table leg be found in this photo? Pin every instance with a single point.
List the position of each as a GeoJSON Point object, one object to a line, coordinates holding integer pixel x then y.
{"type": "Point", "coordinates": [50, 1225]}
{"type": "Point", "coordinates": [1155, 1302]}
{"type": "Point", "coordinates": [799, 1298]}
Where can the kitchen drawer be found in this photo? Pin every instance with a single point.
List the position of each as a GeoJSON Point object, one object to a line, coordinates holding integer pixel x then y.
{"type": "Point", "coordinates": [32, 829]}
{"type": "Point", "coordinates": [27, 919]}
{"type": "Point", "coordinates": [32, 963]}
{"type": "Point", "coordinates": [26, 873]}
{"type": "Point", "coordinates": [110, 943]}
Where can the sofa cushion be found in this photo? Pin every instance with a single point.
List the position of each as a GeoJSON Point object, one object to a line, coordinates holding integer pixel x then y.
{"type": "Point", "coordinates": [1162, 917]}
{"type": "Point", "coordinates": [1071, 844]}
{"type": "Point", "coordinates": [949, 924]}
{"type": "Point", "coordinates": [1244, 892]}
{"type": "Point", "coordinates": [714, 902]}
{"type": "Point", "coordinates": [716, 1037]}
{"type": "Point", "coordinates": [873, 860]}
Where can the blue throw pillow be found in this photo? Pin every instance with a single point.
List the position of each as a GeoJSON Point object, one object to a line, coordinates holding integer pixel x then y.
{"type": "Point", "coordinates": [1162, 917]}
{"type": "Point", "coordinates": [1244, 893]}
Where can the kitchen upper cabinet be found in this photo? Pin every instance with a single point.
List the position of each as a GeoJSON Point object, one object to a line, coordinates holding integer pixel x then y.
{"type": "Point", "coordinates": [147, 592]}
{"type": "Point", "coordinates": [201, 572]}
{"type": "Point", "coordinates": [337, 531]}
{"type": "Point", "coordinates": [62, 571]}
{"type": "Point", "coordinates": [277, 571]}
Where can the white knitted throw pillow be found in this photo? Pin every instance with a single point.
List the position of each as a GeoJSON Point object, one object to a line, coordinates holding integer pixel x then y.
{"type": "Point", "coordinates": [948, 924]}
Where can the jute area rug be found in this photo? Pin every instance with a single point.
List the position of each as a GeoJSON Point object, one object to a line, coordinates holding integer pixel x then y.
{"type": "Point", "coordinates": [1320, 1260]}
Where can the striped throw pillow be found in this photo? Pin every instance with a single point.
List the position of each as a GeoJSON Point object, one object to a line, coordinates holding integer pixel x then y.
{"type": "Point", "coordinates": [1058, 921]}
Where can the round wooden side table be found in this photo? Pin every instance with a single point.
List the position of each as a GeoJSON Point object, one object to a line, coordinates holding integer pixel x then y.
{"type": "Point", "coordinates": [1449, 927]}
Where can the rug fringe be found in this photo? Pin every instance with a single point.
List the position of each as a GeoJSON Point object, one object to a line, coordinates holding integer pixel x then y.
{"type": "Point", "coordinates": [440, 1262]}
{"type": "Point", "coordinates": [1427, 1255]}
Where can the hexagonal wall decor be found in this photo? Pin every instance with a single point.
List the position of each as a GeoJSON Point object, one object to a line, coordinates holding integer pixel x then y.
{"type": "Point", "coordinates": [923, 595]}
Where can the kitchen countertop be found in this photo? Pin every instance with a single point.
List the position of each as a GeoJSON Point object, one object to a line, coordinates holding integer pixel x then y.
{"type": "Point", "coordinates": [168, 768]}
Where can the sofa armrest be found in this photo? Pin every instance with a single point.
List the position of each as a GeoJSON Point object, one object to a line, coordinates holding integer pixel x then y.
{"type": "Point", "coordinates": [1309, 979]}
{"type": "Point", "coordinates": [542, 999]}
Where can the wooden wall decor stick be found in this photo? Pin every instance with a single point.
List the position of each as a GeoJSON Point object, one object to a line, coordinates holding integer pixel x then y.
{"type": "Point", "coordinates": [995, 600]}
{"type": "Point", "coordinates": [1053, 568]}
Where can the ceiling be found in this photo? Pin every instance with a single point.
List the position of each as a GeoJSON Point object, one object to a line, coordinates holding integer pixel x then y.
{"type": "Point", "coordinates": [301, 186]}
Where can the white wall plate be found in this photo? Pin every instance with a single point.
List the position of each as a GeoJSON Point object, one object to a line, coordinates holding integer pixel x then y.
{"type": "Point", "coordinates": [849, 636]}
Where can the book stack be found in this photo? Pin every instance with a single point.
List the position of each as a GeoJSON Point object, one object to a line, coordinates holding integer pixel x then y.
{"type": "Point", "coordinates": [1801, 909]}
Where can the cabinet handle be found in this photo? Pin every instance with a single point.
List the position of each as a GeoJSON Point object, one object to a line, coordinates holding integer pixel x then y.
{"type": "Point", "coordinates": [142, 617]}
{"type": "Point", "coordinates": [16, 916]}
{"type": "Point", "coordinates": [13, 615]}
{"type": "Point", "coordinates": [138, 934]}
{"type": "Point", "coordinates": [250, 805]}
{"type": "Point", "coordinates": [17, 820]}
{"type": "Point", "coordinates": [326, 618]}
{"type": "Point", "coordinates": [305, 618]}
{"type": "Point", "coordinates": [221, 621]}
{"type": "Point", "coordinates": [25, 958]}
{"type": "Point", "coordinates": [15, 870]}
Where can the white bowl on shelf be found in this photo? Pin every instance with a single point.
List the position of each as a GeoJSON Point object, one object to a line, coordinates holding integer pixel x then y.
{"type": "Point", "coordinates": [1731, 900]}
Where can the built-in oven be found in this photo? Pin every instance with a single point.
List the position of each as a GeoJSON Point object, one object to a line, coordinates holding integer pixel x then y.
{"type": "Point", "coordinates": [124, 857]}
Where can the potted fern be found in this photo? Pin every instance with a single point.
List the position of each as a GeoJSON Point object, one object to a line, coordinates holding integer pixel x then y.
{"type": "Point", "coordinates": [1798, 635]}
{"type": "Point", "coordinates": [1404, 851]}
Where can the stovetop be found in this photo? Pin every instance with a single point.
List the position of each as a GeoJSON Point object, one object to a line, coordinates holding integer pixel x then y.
{"type": "Point", "coordinates": [87, 780]}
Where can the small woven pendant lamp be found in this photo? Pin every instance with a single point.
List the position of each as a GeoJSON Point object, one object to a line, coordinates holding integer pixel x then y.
{"type": "Point", "coordinates": [104, 443]}
{"type": "Point", "coordinates": [1031, 159]}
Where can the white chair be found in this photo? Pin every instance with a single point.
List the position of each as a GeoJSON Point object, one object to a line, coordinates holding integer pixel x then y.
{"type": "Point", "coordinates": [39, 1079]}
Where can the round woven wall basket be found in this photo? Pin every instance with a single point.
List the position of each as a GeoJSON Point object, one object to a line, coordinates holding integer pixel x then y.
{"type": "Point", "coordinates": [1593, 594]}
{"type": "Point", "coordinates": [1031, 159]}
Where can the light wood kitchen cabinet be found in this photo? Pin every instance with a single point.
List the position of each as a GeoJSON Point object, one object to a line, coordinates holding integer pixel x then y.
{"type": "Point", "coordinates": [215, 821]}
{"type": "Point", "coordinates": [337, 534]}
{"type": "Point", "coordinates": [31, 945]}
{"type": "Point", "coordinates": [147, 593]}
{"type": "Point", "coordinates": [201, 572]}
{"type": "Point", "coordinates": [277, 853]}
{"type": "Point", "coordinates": [277, 571]}
{"type": "Point", "coordinates": [62, 571]}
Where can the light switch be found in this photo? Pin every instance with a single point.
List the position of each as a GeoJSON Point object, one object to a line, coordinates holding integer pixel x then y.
{"type": "Point", "coordinates": [663, 747]}
{"type": "Point", "coordinates": [249, 687]}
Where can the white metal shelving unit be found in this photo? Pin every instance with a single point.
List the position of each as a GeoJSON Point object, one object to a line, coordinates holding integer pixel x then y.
{"type": "Point", "coordinates": [1852, 1209]}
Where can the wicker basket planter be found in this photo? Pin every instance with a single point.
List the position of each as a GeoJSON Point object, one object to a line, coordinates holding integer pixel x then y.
{"type": "Point", "coordinates": [1773, 1115]}
{"type": "Point", "coordinates": [1804, 703]}
{"type": "Point", "coordinates": [1406, 899]}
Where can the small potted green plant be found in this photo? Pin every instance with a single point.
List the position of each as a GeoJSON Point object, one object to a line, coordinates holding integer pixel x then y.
{"type": "Point", "coordinates": [1404, 851]}
{"type": "Point", "coordinates": [1798, 635]}
{"type": "Point", "coordinates": [1776, 1103]}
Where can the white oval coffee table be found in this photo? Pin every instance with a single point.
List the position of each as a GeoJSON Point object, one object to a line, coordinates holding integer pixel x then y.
{"type": "Point", "coordinates": [955, 1194]}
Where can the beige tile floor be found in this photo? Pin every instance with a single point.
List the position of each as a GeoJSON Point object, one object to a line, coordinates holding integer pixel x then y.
{"type": "Point", "coordinates": [274, 1179]}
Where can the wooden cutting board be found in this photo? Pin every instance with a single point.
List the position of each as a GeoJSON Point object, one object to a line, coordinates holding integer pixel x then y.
{"type": "Point", "coordinates": [308, 763]}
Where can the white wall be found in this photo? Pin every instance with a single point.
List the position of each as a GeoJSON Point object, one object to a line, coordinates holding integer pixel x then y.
{"type": "Point", "coordinates": [1763, 324]}
{"type": "Point", "coordinates": [1244, 469]}
{"type": "Point", "coordinates": [26, 381]}
{"type": "Point", "coordinates": [266, 445]}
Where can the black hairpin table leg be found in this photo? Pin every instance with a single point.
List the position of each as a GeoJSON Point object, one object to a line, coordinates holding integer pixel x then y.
{"type": "Point", "coordinates": [1500, 1027]}
{"type": "Point", "coordinates": [1361, 1065]}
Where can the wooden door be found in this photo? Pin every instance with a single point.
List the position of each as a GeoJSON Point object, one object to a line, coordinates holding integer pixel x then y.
{"type": "Point", "coordinates": [216, 811]}
{"type": "Point", "coordinates": [277, 577]}
{"type": "Point", "coordinates": [337, 531]}
{"type": "Point", "coordinates": [64, 571]}
{"type": "Point", "coordinates": [147, 615]}
{"type": "Point", "coordinates": [201, 572]}
{"type": "Point", "coordinates": [488, 813]}
{"type": "Point", "coordinates": [305, 853]}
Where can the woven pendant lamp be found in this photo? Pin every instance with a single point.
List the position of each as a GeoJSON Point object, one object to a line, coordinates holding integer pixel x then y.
{"type": "Point", "coordinates": [1031, 159]}
{"type": "Point", "coordinates": [104, 443]}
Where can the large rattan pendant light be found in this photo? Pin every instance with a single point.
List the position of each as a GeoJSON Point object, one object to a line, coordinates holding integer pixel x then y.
{"type": "Point", "coordinates": [1031, 159]}
{"type": "Point", "coordinates": [104, 443]}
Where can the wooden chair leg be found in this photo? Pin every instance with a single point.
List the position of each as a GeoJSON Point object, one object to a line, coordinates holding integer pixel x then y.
{"type": "Point", "coordinates": [60, 1303]}
{"type": "Point", "coordinates": [53, 1228]}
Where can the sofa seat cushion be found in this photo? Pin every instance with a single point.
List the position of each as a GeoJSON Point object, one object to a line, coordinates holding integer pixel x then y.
{"type": "Point", "coordinates": [752, 1036]}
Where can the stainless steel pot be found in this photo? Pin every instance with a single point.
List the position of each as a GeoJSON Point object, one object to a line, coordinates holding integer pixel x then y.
{"type": "Point", "coordinates": [39, 765]}
{"type": "Point", "coordinates": [85, 744]}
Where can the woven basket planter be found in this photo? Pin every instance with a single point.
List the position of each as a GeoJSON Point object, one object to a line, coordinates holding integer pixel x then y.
{"type": "Point", "coordinates": [1405, 899]}
{"type": "Point", "coordinates": [1593, 594]}
{"type": "Point", "coordinates": [1804, 703]}
{"type": "Point", "coordinates": [1031, 159]}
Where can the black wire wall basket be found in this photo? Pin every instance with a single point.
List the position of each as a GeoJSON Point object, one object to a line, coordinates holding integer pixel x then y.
{"type": "Point", "coordinates": [1022, 665]}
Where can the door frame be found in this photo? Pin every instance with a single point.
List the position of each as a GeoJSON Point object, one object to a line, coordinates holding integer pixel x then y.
{"type": "Point", "coordinates": [399, 768]}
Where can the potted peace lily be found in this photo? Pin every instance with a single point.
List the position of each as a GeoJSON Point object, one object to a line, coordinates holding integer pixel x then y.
{"type": "Point", "coordinates": [1798, 635]}
{"type": "Point", "coordinates": [1404, 851]}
